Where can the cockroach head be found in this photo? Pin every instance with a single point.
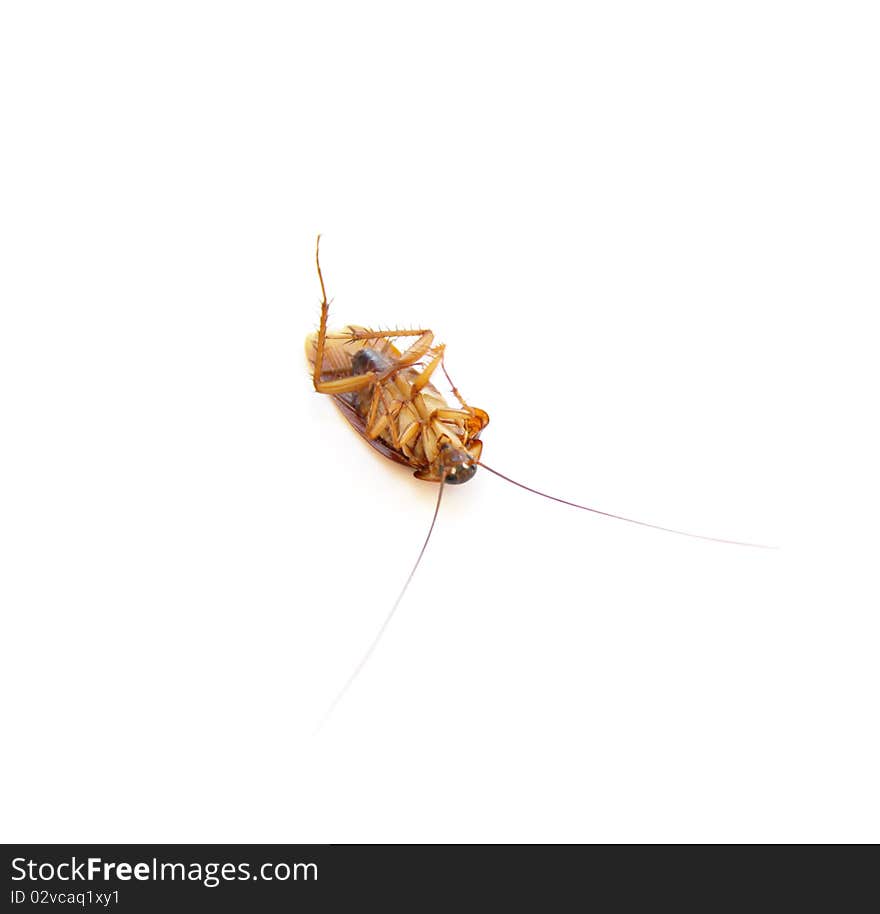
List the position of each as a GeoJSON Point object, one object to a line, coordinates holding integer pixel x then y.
{"type": "Point", "coordinates": [456, 466]}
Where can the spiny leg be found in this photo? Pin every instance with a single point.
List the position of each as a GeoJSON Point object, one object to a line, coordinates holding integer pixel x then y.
{"type": "Point", "coordinates": [410, 356]}
{"type": "Point", "coordinates": [332, 373]}
{"type": "Point", "coordinates": [356, 382]}
{"type": "Point", "coordinates": [364, 333]}
{"type": "Point", "coordinates": [322, 327]}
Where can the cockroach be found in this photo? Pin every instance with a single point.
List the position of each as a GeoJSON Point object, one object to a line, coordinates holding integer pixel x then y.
{"type": "Point", "coordinates": [388, 397]}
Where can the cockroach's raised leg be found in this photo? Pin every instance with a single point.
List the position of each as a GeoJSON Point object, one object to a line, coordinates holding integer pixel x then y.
{"type": "Point", "coordinates": [356, 382]}
{"type": "Point", "coordinates": [322, 327]}
{"type": "Point", "coordinates": [341, 385]}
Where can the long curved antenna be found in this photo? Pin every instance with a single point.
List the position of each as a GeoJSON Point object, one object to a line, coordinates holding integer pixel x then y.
{"type": "Point", "coordinates": [387, 621]}
{"type": "Point", "coordinates": [629, 520]}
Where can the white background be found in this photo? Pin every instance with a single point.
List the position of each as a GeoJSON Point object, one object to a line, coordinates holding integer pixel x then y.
{"type": "Point", "coordinates": [648, 234]}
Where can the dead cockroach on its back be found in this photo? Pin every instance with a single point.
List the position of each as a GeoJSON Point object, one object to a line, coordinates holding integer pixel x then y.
{"type": "Point", "coordinates": [388, 397]}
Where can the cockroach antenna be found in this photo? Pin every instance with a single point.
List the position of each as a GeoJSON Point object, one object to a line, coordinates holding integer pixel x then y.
{"type": "Point", "coordinates": [629, 520]}
{"type": "Point", "coordinates": [388, 618]}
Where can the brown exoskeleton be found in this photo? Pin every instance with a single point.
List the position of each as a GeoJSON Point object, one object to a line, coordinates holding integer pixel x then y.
{"type": "Point", "coordinates": [387, 396]}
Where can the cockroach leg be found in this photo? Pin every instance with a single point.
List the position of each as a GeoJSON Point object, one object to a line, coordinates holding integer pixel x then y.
{"type": "Point", "coordinates": [444, 431]}
{"type": "Point", "coordinates": [374, 408]}
{"type": "Point", "coordinates": [430, 443]}
{"type": "Point", "coordinates": [425, 375]}
{"type": "Point", "coordinates": [364, 333]}
{"type": "Point", "coordinates": [345, 385]}
{"type": "Point", "coordinates": [474, 419]}
{"type": "Point", "coordinates": [410, 356]}
{"type": "Point", "coordinates": [455, 392]}
{"type": "Point", "coordinates": [332, 373]}
{"type": "Point", "coordinates": [479, 418]}
{"type": "Point", "coordinates": [409, 433]}
{"type": "Point", "coordinates": [392, 412]}
{"type": "Point", "coordinates": [322, 327]}
{"type": "Point", "coordinates": [450, 414]}
{"type": "Point", "coordinates": [378, 427]}
{"type": "Point", "coordinates": [340, 385]}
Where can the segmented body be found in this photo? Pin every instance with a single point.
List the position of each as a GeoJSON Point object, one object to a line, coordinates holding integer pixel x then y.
{"type": "Point", "coordinates": [388, 398]}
